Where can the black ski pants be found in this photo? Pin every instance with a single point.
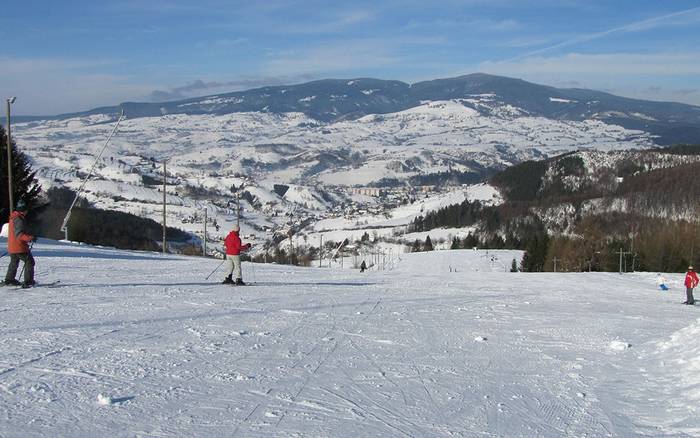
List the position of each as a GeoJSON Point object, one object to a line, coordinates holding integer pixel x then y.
{"type": "Point", "coordinates": [689, 295]}
{"type": "Point", "coordinates": [28, 260]}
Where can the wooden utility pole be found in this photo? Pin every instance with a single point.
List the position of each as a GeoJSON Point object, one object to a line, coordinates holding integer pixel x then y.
{"type": "Point", "coordinates": [205, 231]}
{"type": "Point", "coordinates": [165, 244]}
{"type": "Point", "coordinates": [291, 234]}
{"type": "Point", "coordinates": [694, 236]}
{"type": "Point", "coordinates": [622, 253]}
{"type": "Point", "coordinates": [9, 160]}
{"type": "Point", "coordinates": [238, 208]}
{"type": "Point", "coordinates": [634, 255]}
{"type": "Point", "coordinates": [320, 249]}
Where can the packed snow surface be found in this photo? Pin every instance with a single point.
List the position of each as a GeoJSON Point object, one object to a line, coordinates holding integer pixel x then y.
{"type": "Point", "coordinates": [447, 344]}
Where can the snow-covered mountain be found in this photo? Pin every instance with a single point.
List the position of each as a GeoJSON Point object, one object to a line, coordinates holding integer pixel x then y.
{"type": "Point", "coordinates": [295, 165]}
{"type": "Point", "coordinates": [324, 166]}
{"type": "Point", "coordinates": [333, 100]}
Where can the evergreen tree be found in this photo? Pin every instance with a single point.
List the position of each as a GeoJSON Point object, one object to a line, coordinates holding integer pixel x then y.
{"type": "Point", "coordinates": [535, 252]}
{"type": "Point", "coordinates": [428, 246]}
{"type": "Point", "coordinates": [514, 266]}
{"type": "Point", "coordinates": [496, 242]}
{"type": "Point", "coordinates": [416, 246]}
{"type": "Point", "coordinates": [471, 241]}
{"type": "Point", "coordinates": [455, 243]}
{"type": "Point", "coordinates": [24, 183]}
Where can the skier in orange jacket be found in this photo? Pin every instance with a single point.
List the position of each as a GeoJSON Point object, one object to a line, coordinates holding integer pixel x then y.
{"type": "Point", "coordinates": [18, 247]}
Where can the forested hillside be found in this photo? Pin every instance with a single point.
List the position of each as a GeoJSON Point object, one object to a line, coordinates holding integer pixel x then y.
{"type": "Point", "coordinates": [578, 211]}
{"type": "Point", "coordinates": [101, 227]}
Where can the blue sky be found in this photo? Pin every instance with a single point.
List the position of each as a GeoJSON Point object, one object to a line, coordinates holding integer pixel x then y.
{"type": "Point", "coordinates": [63, 56]}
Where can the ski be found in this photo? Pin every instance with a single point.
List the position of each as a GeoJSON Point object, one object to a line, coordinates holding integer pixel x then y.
{"type": "Point", "coordinates": [232, 284]}
{"type": "Point", "coordinates": [48, 285]}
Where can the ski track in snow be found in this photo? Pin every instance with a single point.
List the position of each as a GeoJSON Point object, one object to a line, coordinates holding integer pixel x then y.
{"type": "Point", "coordinates": [138, 344]}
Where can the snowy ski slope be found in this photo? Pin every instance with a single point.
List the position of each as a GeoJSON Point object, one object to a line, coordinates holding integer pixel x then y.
{"type": "Point", "coordinates": [446, 344]}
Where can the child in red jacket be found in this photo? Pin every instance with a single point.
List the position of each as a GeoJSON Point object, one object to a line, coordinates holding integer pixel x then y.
{"type": "Point", "coordinates": [233, 256]}
{"type": "Point", "coordinates": [691, 281]}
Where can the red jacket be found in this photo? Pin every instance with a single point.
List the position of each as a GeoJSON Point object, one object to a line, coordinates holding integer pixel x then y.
{"type": "Point", "coordinates": [233, 244]}
{"type": "Point", "coordinates": [691, 279]}
{"type": "Point", "coordinates": [18, 239]}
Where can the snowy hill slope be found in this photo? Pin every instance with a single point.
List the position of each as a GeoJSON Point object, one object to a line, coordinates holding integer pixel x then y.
{"type": "Point", "coordinates": [211, 157]}
{"type": "Point", "coordinates": [395, 224]}
{"type": "Point", "coordinates": [140, 344]}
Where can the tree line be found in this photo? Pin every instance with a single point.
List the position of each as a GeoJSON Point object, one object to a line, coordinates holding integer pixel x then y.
{"type": "Point", "coordinates": [658, 228]}
{"type": "Point", "coordinates": [100, 227]}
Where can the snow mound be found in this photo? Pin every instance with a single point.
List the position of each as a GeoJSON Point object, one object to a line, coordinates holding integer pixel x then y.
{"type": "Point", "coordinates": [619, 346]}
{"type": "Point", "coordinates": [104, 400]}
{"type": "Point", "coordinates": [683, 351]}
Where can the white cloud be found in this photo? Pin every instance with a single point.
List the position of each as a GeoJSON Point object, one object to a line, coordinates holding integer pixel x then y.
{"type": "Point", "coordinates": [656, 76]}
{"type": "Point", "coordinates": [333, 24]}
{"type": "Point", "coordinates": [680, 18]}
{"type": "Point", "coordinates": [228, 42]}
{"type": "Point", "coordinates": [689, 96]}
{"type": "Point", "coordinates": [467, 24]}
{"type": "Point", "coordinates": [529, 41]}
{"type": "Point", "coordinates": [344, 56]}
{"type": "Point", "coordinates": [494, 25]}
{"type": "Point", "coordinates": [12, 66]}
{"type": "Point", "coordinates": [201, 87]}
{"type": "Point", "coordinates": [576, 65]}
{"type": "Point", "coordinates": [46, 86]}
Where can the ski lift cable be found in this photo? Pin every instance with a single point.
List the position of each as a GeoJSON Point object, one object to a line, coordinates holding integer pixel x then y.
{"type": "Point", "coordinates": [64, 226]}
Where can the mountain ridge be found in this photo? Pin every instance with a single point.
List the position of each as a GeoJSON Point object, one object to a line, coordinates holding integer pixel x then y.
{"type": "Point", "coordinates": [331, 100]}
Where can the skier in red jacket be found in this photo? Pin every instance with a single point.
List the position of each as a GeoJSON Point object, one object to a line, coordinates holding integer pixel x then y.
{"type": "Point", "coordinates": [691, 281]}
{"type": "Point", "coordinates": [233, 255]}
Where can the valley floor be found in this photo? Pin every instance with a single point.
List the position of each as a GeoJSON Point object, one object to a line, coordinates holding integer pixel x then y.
{"type": "Point", "coordinates": [447, 344]}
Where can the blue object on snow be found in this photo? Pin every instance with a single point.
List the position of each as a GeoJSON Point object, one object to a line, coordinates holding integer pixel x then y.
{"type": "Point", "coordinates": [663, 287]}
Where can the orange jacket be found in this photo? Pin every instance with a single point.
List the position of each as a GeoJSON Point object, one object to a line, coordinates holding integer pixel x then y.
{"type": "Point", "coordinates": [18, 239]}
{"type": "Point", "coordinates": [691, 279]}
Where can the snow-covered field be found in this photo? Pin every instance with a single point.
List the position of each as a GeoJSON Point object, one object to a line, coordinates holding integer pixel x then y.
{"type": "Point", "coordinates": [446, 344]}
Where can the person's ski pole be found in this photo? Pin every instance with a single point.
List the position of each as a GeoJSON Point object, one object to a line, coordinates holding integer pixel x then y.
{"type": "Point", "coordinates": [24, 265]}
{"type": "Point", "coordinates": [216, 269]}
{"type": "Point", "coordinates": [252, 265]}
